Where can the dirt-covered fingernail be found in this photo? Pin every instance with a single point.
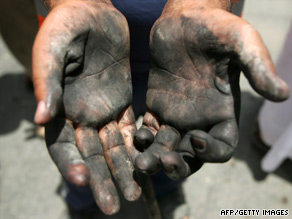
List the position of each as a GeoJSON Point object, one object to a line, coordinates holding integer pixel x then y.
{"type": "Point", "coordinates": [199, 144]}
{"type": "Point", "coordinates": [42, 115]}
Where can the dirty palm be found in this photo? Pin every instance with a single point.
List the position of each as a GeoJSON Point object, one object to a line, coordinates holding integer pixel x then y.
{"type": "Point", "coordinates": [193, 96]}
{"type": "Point", "coordinates": [87, 93]}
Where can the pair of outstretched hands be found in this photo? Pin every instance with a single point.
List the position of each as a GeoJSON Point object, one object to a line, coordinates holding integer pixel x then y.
{"type": "Point", "coordinates": [83, 86]}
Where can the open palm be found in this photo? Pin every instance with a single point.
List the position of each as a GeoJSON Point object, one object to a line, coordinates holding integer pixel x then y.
{"type": "Point", "coordinates": [193, 96]}
{"type": "Point", "coordinates": [83, 84]}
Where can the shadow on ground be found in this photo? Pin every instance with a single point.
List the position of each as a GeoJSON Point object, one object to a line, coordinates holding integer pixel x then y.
{"type": "Point", "coordinates": [17, 103]}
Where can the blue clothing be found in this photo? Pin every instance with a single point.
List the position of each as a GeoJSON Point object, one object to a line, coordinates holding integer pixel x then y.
{"type": "Point", "coordinates": [141, 15]}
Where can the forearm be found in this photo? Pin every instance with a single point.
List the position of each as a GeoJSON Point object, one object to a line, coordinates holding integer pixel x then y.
{"type": "Point", "coordinates": [178, 5]}
{"type": "Point", "coordinates": [50, 4]}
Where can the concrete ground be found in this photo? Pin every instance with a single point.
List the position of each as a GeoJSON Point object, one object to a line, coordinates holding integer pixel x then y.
{"type": "Point", "coordinates": [29, 179]}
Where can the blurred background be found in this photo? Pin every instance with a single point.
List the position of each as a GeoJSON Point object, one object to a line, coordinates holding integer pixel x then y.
{"type": "Point", "coordinates": [29, 180]}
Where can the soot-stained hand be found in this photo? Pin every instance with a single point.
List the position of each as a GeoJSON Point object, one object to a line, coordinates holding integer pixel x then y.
{"type": "Point", "coordinates": [193, 96]}
{"type": "Point", "coordinates": [83, 86]}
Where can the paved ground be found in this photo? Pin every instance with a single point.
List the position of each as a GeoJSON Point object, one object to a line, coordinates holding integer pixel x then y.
{"type": "Point", "coordinates": [29, 179]}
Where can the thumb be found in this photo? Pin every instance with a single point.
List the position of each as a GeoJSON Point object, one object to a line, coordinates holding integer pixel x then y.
{"type": "Point", "coordinates": [240, 39]}
{"type": "Point", "coordinates": [47, 76]}
{"type": "Point", "coordinates": [47, 72]}
{"type": "Point", "coordinates": [50, 52]}
{"type": "Point", "coordinates": [259, 69]}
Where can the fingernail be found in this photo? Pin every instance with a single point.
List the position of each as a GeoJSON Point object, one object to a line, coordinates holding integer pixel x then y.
{"type": "Point", "coordinates": [41, 114]}
{"type": "Point", "coordinates": [199, 144]}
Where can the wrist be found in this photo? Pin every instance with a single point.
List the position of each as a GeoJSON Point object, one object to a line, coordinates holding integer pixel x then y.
{"type": "Point", "coordinates": [179, 5]}
{"type": "Point", "coordinates": [50, 4]}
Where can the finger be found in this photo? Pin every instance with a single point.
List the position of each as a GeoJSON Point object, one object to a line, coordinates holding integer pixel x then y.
{"type": "Point", "coordinates": [145, 135]}
{"type": "Point", "coordinates": [119, 161]}
{"type": "Point", "coordinates": [258, 67]}
{"type": "Point", "coordinates": [103, 189]}
{"type": "Point", "coordinates": [55, 46]}
{"type": "Point", "coordinates": [241, 38]}
{"type": "Point", "coordinates": [166, 139]}
{"type": "Point", "coordinates": [174, 166]}
{"type": "Point", "coordinates": [184, 162]}
{"type": "Point", "coordinates": [128, 128]}
{"type": "Point", "coordinates": [218, 145]}
{"type": "Point", "coordinates": [61, 143]}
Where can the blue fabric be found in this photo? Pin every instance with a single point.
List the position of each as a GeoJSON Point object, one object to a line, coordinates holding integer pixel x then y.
{"type": "Point", "coordinates": [141, 15]}
{"type": "Point", "coordinates": [78, 198]}
{"type": "Point", "coordinates": [139, 83]}
{"type": "Point", "coordinates": [163, 185]}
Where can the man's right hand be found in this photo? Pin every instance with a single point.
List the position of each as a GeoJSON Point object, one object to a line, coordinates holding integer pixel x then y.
{"type": "Point", "coordinates": [83, 87]}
